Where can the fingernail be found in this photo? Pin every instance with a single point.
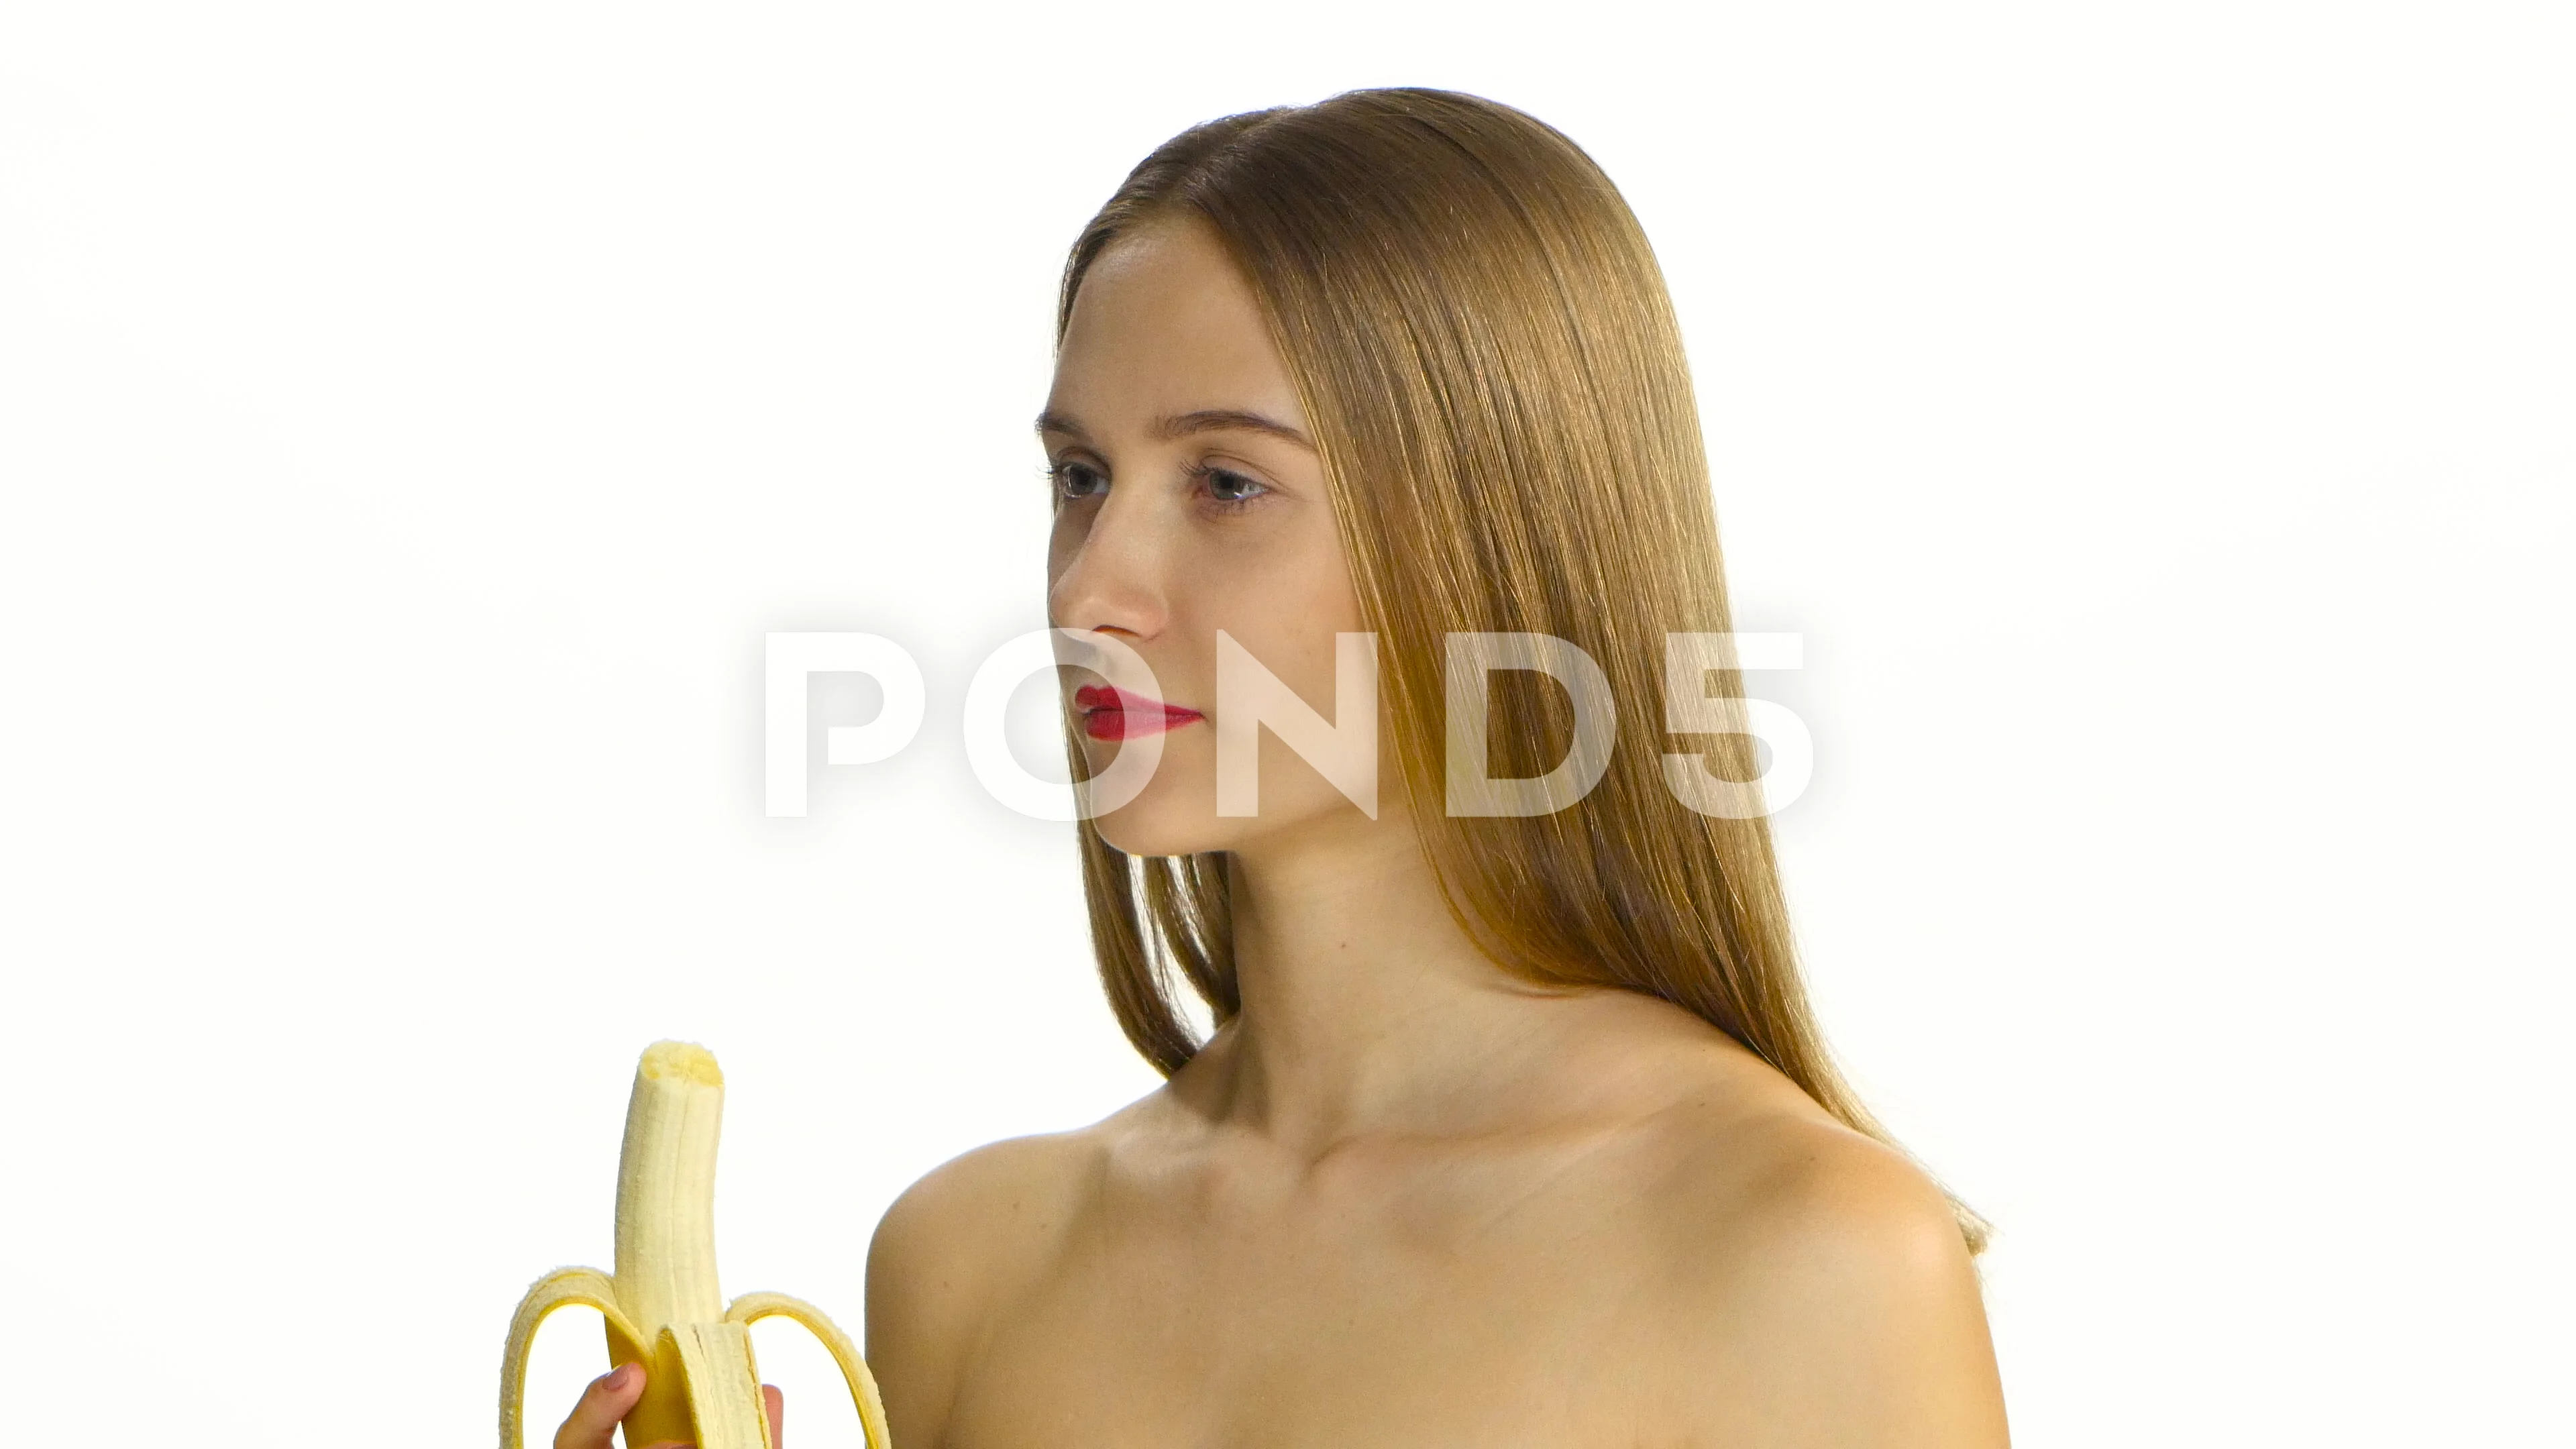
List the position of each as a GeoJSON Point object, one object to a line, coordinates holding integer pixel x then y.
{"type": "Point", "coordinates": [619, 1377]}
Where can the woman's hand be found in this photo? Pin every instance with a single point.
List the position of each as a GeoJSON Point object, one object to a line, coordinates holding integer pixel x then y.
{"type": "Point", "coordinates": [593, 1422]}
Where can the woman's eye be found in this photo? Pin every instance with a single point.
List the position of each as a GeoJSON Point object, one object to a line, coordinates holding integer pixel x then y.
{"type": "Point", "coordinates": [1077, 480]}
{"type": "Point", "coordinates": [1227, 486]}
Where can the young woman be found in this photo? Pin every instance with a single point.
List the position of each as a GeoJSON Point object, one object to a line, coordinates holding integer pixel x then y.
{"type": "Point", "coordinates": [1514, 1128]}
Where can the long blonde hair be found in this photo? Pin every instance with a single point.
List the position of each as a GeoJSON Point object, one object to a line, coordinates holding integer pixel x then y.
{"type": "Point", "coordinates": [1489, 361]}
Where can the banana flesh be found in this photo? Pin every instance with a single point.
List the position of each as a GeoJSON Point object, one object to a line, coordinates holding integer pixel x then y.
{"type": "Point", "coordinates": [662, 1306]}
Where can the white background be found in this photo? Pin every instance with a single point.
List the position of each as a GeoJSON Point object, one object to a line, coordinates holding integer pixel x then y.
{"type": "Point", "coordinates": [412, 418]}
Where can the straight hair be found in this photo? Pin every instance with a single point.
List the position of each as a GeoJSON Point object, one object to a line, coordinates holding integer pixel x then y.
{"type": "Point", "coordinates": [1488, 358]}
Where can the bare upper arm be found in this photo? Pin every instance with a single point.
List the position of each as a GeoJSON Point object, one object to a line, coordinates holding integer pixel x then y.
{"type": "Point", "coordinates": [944, 1255]}
{"type": "Point", "coordinates": [1841, 1301]}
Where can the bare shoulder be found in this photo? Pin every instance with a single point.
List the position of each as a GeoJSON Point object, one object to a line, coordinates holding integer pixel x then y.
{"type": "Point", "coordinates": [967, 1218]}
{"type": "Point", "coordinates": [1805, 1194]}
{"type": "Point", "coordinates": [954, 1245]}
{"type": "Point", "coordinates": [1823, 1292]}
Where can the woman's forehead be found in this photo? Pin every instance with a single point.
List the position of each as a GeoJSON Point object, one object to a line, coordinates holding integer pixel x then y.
{"type": "Point", "coordinates": [1165, 326]}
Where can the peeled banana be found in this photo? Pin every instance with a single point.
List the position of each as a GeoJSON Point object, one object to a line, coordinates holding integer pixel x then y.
{"type": "Point", "coordinates": [662, 1304]}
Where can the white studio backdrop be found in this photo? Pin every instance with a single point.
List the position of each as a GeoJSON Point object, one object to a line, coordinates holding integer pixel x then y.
{"type": "Point", "coordinates": [412, 420]}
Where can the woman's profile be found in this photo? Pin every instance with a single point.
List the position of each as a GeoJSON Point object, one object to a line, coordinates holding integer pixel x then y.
{"type": "Point", "coordinates": [1513, 1128]}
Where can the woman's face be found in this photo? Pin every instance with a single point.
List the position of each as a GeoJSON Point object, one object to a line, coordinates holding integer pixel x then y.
{"type": "Point", "coordinates": [1189, 500]}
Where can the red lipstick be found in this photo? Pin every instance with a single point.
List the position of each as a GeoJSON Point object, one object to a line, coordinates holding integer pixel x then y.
{"type": "Point", "coordinates": [1117, 714]}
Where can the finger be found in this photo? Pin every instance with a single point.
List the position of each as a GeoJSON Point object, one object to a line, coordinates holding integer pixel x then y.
{"type": "Point", "coordinates": [593, 1421]}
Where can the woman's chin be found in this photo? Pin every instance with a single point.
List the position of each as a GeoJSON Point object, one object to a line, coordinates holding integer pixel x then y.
{"type": "Point", "coordinates": [1147, 827]}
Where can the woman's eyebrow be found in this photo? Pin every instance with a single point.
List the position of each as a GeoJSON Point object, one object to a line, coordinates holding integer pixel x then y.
{"type": "Point", "coordinates": [1181, 425]}
{"type": "Point", "coordinates": [1212, 420]}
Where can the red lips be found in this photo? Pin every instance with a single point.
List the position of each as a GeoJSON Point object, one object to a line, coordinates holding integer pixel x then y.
{"type": "Point", "coordinates": [1117, 714]}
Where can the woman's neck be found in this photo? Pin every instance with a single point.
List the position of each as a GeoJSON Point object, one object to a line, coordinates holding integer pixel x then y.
{"type": "Point", "coordinates": [1367, 1009]}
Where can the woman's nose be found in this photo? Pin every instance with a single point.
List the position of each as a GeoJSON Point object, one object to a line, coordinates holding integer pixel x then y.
{"type": "Point", "coordinates": [1111, 577]}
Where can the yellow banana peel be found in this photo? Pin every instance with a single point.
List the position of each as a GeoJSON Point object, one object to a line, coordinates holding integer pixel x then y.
{"type": "Point", "coordinates": [662, 1305]}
